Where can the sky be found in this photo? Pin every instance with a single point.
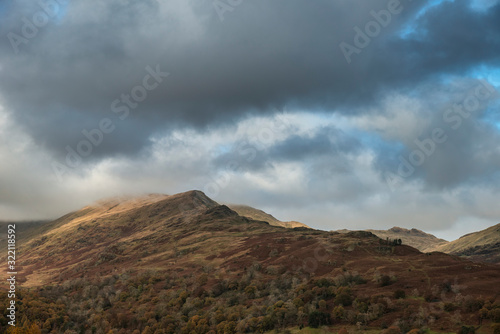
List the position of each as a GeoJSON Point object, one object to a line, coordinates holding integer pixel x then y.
{"type": "Point", "coordinates": [339, 114]}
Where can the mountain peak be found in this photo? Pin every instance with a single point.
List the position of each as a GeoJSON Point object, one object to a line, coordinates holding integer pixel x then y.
{"type": "Point", "coordinates": [413, 231]}
{"type": "Point", "coordinates": [397, 229]}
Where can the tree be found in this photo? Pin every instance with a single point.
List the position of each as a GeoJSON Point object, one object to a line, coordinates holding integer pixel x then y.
{"type": "Point", "coordinates": [34, 329]}
{"type": "Point", "coordinates": [338, 313]}
{"type": "Point", "coordinates": [322, 305]}
{"type": "Point", "coordinates": [385, 280]}
{"type": "Point", "coordinates": [467, 330]}
{"type": "Point", "coordinates": [399, 294]}
{"type": "Point", "coordinates": [298, 302]}
{"type": "Point", "coordinates": [317, 319]}
{"type": "Point", "coordinates": [392, 330]}
{"type": "Point", "coordinates": [344, 298]}
{"type": "Point", "coordinates": [147, 330]}
{"type": "Point", "coordinates": [250, 291]}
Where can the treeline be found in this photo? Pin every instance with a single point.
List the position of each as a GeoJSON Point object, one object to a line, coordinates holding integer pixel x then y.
{"type": "Point", "coordinates": [391, 242]}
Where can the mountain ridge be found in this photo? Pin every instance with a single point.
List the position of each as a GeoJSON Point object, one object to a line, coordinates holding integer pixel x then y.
{"type": "Point", "coordinates": [257, 214]}
{"type": "Point", "coordinates": [481, 246]}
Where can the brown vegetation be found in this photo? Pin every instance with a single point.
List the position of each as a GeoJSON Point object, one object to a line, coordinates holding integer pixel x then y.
{"type": "Point", "coordinates": [184, 264]}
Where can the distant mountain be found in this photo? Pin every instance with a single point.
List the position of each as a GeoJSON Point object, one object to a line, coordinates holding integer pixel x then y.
{"type": "Point", "coordinates": [256, 214]}
{"type": "Point", "coordinates": [481, 246]}
{"type": "Point", "coordinates": [422, 241]}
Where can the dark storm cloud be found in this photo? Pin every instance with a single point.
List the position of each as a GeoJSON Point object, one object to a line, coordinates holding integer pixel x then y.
{"type": "Point", "coordinates": [263, 54]}
{"type": "Point", "coordinates": [326, 141]}
{"type": "Point", "coordinates": [452, 37]}
{"type": "Point", "coordinates": [65, 79]}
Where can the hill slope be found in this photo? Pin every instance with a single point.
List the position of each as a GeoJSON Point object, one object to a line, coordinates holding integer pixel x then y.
{"type": "Point", "coordinates": [422, 241]}
{"type": "Point", "coordinates": [479, 246]}
{"type": "Point", "coordinates": [185, 264]}
{"type": "Point", "coordinates": [25, 229]}
{"type": "Point", "coordinates": [256, 214]}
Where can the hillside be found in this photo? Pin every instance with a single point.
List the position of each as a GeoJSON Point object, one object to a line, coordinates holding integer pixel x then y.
{"type": "Point", "coordinates": [479, 246]}
{"type": "Point", "coordinates": [26, 230]}
{"type": "Point", "coordinates": [256, 214]}
{"type": "Point", "coordinates": [32, 229]}
{"type": "Point", "coordinates": [420, 240]}
{"type": "Point", "coordinates": [185, 264]}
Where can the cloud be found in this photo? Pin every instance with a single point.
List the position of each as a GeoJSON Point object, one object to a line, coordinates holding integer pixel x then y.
{"type": "Point", "coordinates": [263, 55]}
{"type": "Point", "coordinates": [442, 136]}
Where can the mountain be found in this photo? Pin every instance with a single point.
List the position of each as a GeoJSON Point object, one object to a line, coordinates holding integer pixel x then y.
{"type": "Point", "coordinates": [481, 246]}
{"type": "Point", "coordinates": [186, 264]}
{"type": "Point", "coordinates": [418, 239]}
{"type": "Point", "coordinates": [422, 241]}
{"type": "Point", "coordinates": [256, 214]}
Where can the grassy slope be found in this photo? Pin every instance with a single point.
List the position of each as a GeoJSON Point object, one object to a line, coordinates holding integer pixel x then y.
{"type": "Point", "coordinates": [482, 246]}
{"type": "Point", "coordinates": [488, 236]}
